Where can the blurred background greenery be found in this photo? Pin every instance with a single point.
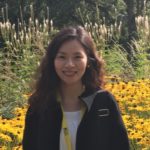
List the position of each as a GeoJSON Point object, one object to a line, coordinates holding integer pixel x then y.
{"type": "Point", "coordinates": [120, 29]}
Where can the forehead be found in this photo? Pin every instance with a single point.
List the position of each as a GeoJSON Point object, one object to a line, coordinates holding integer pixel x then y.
{"type": "Point", "coordinates": [72, 46]}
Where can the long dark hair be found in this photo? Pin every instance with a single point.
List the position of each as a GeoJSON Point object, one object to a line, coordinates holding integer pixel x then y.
{"type": "Point", "coordinates": [47, 82]}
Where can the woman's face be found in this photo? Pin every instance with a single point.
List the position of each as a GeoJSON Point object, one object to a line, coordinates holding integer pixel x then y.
{"type": "Point", "coordinates": [71, 62]}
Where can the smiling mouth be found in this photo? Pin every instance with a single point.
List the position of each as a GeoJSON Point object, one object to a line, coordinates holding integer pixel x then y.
{"type": "Point", "coordinates": [69, 73]}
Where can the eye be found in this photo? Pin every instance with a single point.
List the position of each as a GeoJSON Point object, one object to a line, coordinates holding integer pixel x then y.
{"type": "Point", "coordinates": [60, 56]}
{"type": "Point", "coordinates": [78, 57]}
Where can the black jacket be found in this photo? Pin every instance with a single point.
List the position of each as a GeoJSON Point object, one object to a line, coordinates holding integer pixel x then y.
{"type": "Point", "coordinates": [101, 127]}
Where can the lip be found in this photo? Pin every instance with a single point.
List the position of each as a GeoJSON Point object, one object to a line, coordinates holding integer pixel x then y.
{"type": "Point", "coordinates": [69, 73]}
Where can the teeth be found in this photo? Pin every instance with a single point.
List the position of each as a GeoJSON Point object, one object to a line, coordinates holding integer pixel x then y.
{"type": "Point", "coordinates": [69, 73]}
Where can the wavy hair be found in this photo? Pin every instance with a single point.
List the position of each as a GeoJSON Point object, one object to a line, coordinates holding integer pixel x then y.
{"type": "Point", "coordinates": [47, 81]}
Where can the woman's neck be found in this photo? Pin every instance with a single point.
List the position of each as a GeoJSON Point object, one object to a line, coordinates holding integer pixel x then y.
{"type": "Point", "coordinates": [70, 96]}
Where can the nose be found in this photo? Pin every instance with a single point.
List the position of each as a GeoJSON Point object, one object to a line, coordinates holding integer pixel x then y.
{"type": "Point", "coordinates": [69, 63]}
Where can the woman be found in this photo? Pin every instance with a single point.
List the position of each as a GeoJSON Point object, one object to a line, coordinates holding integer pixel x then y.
{"type": "Point", "coordinates": [69, 110]}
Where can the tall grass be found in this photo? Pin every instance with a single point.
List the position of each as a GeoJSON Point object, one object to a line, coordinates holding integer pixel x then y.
{"type": "Point", "coordinates": [106, 39]}
{"type": "Point", "coordinates": [25, 43]}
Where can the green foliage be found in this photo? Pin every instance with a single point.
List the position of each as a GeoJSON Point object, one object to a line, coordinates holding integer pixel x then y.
{"type": "Point", "coordinates": [25, 44]}
{"type": "Point", "coordinates": [117, 63]}
{"type": "Point", "coordinates": [15, 78]}
{"type": "Point", "coordinates": [19, 59]}
{"type": "Point", "coordinates": [142, 64]}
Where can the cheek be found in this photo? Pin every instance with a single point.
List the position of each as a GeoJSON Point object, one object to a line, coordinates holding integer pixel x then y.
{"type": "Point", "coordinates": [85, 62]}
{"type": "Point", "coordinates": [57, 65]}
{"type": "Point", "coordinates": [83, 66]}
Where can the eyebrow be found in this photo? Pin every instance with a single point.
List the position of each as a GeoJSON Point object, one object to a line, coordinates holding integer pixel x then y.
{"type": "Point", "coordinates": [76, 53]}
{"type": "Point", "coordinates": [61, 53]}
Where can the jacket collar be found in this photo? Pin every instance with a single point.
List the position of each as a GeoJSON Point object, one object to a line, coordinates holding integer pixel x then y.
{"type": "Point", "coordinates": [88, 98]}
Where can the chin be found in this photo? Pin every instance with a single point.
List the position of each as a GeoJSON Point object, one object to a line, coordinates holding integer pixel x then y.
{"type": "Point", "coordinates": [71, 82]}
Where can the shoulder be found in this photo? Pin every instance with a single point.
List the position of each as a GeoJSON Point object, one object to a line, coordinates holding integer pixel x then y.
{"type": "Point", "coordinates": [106, 97]}
{"type": "Point", "coordinates": [105, 94]}
{"type": "Point", "coordinates": [31, 115]}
